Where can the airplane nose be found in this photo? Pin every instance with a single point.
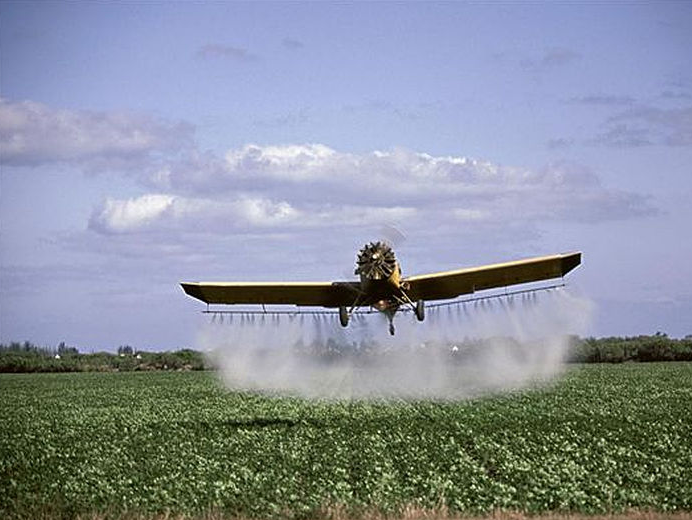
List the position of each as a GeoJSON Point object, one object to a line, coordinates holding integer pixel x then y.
{"type": "Point", "coordinates": [376, 261]}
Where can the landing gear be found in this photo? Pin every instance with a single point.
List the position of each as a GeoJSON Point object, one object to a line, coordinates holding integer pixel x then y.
{"type": "Point", "coordinates": [343, 316]}
{"type": "Point", "coordinates": [420, 310]}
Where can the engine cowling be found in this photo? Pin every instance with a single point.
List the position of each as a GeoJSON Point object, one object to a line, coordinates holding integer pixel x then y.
{"type": "Point", "coordinates": [376, 261]}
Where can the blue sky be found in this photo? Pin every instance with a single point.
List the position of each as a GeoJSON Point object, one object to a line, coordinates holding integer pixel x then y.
{"type": "Point", "coordinates": [147, 143]}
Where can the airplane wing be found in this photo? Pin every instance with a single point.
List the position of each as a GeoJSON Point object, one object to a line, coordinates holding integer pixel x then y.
{"type": "Point", "coordinates": [325, 294]}
{"type": "Point", "coordinates": [450, 284]}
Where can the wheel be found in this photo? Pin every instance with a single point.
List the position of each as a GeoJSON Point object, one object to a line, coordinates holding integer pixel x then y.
{"type": "Point", "coordinates": [420, 310]}
{"type": "Point", "coordinates": [343, 316]}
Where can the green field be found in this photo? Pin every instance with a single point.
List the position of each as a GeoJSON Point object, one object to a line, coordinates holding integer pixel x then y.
{"type": "Point", "coordinates": [605, 438]}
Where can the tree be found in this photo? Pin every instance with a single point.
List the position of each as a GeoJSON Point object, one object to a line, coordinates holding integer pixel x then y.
{"type": "Point", "coordinates": [125, 350]}
{"type": "Point", "coordinates": [63, 349]}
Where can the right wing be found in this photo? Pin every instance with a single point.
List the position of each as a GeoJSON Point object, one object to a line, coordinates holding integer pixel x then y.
{"type": "Point", "coordinates": [325, 294]}
{"type": "Point", "coordinates": [450, 284]}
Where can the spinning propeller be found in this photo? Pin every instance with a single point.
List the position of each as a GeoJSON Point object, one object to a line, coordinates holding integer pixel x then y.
{"type": "Point", "coordinates": [376, 261]}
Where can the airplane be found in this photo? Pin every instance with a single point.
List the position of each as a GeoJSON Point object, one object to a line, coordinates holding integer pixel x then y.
{"type": "Point", "coordinates": [382, 286]}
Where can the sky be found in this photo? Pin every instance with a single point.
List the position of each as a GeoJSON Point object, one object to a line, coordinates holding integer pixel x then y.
{"type": "Point", "coordinates": [147, 143]}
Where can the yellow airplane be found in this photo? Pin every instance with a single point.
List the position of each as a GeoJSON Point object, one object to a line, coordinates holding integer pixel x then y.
{"type": "Point", "coordinates": [382, 286]}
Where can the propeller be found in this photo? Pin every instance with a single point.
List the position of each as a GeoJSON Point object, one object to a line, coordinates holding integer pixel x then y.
{"type": "Point", "coordinates": [388, 234]}
{"type": "Point", "coordinates": [392, 235]}
{"type": "Point", "coordinates": [375, 261]}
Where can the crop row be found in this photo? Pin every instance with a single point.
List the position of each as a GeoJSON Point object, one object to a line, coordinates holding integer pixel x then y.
{"type": "Point", "coordinates": [605, 438]}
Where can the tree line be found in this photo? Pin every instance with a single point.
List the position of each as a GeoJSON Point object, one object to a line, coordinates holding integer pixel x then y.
{"type": "Point", "coordinates": [658, 347]}
{"type": "Point", "coordinates": [28, 357]}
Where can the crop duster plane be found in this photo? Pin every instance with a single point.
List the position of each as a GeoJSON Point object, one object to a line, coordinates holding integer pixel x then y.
{"type": "Point", "coordinates": [382, 286]}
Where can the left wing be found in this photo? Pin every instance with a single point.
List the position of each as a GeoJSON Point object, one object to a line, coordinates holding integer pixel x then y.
{"type": "Point", "coordinates": [325, 294]}
{"type": "Point", "coordinates": [450, 284]}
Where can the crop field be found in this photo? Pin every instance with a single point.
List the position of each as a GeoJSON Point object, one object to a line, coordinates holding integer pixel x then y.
{"type": "Point", "coordinates": [604, 438]}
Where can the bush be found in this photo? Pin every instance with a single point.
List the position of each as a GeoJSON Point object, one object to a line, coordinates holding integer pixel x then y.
{"type": "Point", "coordinates": [26, 357]}
{"type": "Point", "coordinates": [658, 347]}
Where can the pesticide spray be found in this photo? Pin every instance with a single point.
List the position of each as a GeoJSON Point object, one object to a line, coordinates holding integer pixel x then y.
{"type": "Point", "coordinates": [458, 352]}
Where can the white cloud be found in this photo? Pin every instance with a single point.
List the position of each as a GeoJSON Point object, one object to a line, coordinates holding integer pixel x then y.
{"type": "Point", "coordinates": [313, 176]}
{"type": "Point", "coordinates": [292, 162]}
{"type": "Point", "coordinates": [240, 215]}
{"type": "Point", "coordinates": [120, 216]}
{"type": "Point", "coordinates": [167, 212]}
{"type": "Point", "coordinates": [298, 187]}
{"type": "Point", "coordinates": [32, 134]}
{"type": "Point", "coordinates": [285, 188]}
{"type": "Point", "coordinates": [262, 212]}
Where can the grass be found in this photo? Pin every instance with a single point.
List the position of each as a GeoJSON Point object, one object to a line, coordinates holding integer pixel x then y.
{"type": "Point", "coordinates": [606, 439]}
{"type": "Point", "coordinates": [412, 513]}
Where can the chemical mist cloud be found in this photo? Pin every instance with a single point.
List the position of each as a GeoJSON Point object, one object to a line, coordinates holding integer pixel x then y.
{"type": "Point", "coordinates": [458, 352]}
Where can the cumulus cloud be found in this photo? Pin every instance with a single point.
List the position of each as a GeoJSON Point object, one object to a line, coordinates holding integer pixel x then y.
{"type": "Point", "coordinates": [311, 174]}
{"type": "Point", "coordinates": [291, 162]}
{"type": "Point", "coordinates": [157, 211]}
{"type": "Point", "coordinates": [285, 188]}
{"type": "Point", "coordinates": [32, 134]}
{"type": "Point", "coordinates": [117, 216]}
{"type": "Point", "coordinates": [241, 214]}
{"type": "Point", "coordinates": [292, 187]}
